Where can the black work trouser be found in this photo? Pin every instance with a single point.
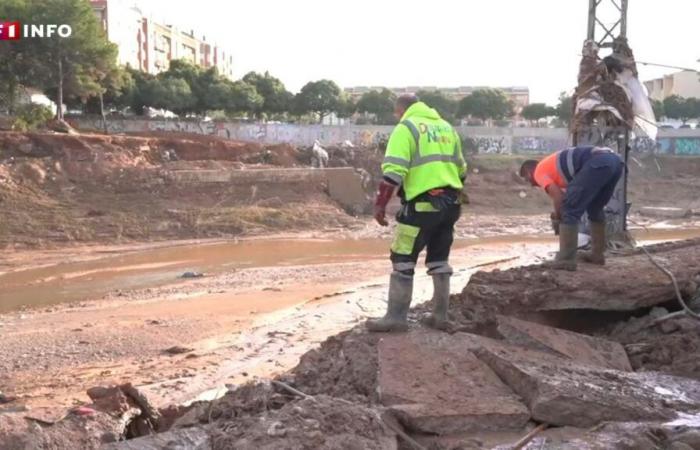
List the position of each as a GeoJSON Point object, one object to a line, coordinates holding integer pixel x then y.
{"type": "Point", "coordinates": [422, 225]}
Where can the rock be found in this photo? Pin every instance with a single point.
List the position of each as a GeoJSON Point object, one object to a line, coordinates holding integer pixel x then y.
{"type": "Point", "coordinates": [192, 275]}
{"type": "Point", "coordinates": [178, 350]}
{"type": "Point", "coordinates": [579, 347]}
{"type": "Point", "coordinates": [4, 399]}
{"type": "Point", "coordinates": [435, 385]}
{"type": "Point", "coordinates": [276, 429]}
{"type": "Point", "coordinates": [562, 392]}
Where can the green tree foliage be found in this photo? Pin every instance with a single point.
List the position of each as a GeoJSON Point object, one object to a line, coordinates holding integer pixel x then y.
{"type": "Point", "coordinates": [276, 98]}
{"type": "Point", "coordinates": [380, 104]}
{"type": "Point", "coordinates": [346, 107]}
{"type": "Point", "coordinates": [71, 67]}
{"type": "Point", "coordinates": [30, 117]}
{"type": "Point", "coordinates": [319, 97]}
{"type": "Point", "coordinates": [681, 108]}
{"type": "Point", "coordinates": [435, 99]}
{"type": "Point", "coordinates": [536, 111]}
{"type": "Point", "coordinates": [564, 110]}
{"type": "Point", "coordinates": [658, 107]}
{"type": "Point", "coordinates": [486, 104]}
{"type": "Point", "coordinates": [173, 94]}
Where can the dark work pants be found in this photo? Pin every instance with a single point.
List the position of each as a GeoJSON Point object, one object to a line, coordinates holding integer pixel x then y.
{"type": "Point", "coordinates": [592, 188]}
{"type": "Point", "coordinates": [421, 225]}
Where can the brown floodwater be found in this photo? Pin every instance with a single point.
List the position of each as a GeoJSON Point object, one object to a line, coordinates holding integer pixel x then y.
{"type": "Point", "coordinates": [78, 281]}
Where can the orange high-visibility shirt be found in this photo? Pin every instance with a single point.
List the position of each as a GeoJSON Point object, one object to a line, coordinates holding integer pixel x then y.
{"type": "Point", "coordinates": [547, 172]}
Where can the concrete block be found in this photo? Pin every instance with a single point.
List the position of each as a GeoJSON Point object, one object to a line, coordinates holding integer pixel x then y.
{"type": "Point", "coordinates": [581, 348]}
{"type": "Point", "coordinates": [435, 385]}
{"type": "Point", "coordinates": [562, 392]}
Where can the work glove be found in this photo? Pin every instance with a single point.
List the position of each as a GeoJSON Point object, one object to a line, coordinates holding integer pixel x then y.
{"type": "Point", "coordinates": [555, 223]}
{"type": "Point", "coordinates": [384, 194]}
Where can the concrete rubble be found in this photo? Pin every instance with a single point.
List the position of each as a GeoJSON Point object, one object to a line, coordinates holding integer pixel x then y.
{"type": "Point", "coordinates": [435, 386]}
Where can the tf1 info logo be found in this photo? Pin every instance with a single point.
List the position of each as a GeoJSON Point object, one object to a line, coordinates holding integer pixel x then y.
{"type": "Point", "coordinates": [13, 31]}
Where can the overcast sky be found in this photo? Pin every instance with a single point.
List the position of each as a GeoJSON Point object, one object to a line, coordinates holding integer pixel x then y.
{"type": "Point", "coordinates": [532, 43]}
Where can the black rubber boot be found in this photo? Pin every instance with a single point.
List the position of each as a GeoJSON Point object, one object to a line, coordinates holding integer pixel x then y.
{"type": "Point", "coordinates": [598, 244]}
{"type": "Point", "coordinates": [441, 302]}
{"type": "Point", "coordinates": [568, 244]}
{"type": "Point", "coordinates": [400, 293]}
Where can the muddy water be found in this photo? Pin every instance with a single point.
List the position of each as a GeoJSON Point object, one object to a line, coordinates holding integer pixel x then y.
{"type": "Point", "coordinates": [78, 281]}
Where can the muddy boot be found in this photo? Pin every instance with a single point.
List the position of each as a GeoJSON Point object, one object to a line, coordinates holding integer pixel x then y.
{"type": "Point", "coordinates": [598, 243]}
{"type": "Point", "coordinates": [568, 244]}
{"type": "Point", "coordinates": [441, 302]}
{"type": "Point", "coordinates": [400, 293]}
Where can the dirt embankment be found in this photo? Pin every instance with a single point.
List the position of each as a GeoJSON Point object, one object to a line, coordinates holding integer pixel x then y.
{"type": "Point", "coordinates": [58, 189]}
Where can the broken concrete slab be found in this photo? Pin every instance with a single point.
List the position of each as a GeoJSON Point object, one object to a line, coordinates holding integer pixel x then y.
{"type": "Point", "coordinates": [562, 392]}
{"type": "Point", "coordinates": [626, 283]}
{"type": "Point", "coordinates": [435, 385]}
{"type": "Point", "coordinates": [584, 349]}
{"type": "Point", "coordinates": [665, 212]}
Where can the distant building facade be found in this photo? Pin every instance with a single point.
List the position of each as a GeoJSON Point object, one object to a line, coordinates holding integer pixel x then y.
{"type": "Point", "coordinates": [684, 84]}
{"type": "Point", "coordinates": [149, 46]}
{"type": "Point", "coordinates": [520, 96]}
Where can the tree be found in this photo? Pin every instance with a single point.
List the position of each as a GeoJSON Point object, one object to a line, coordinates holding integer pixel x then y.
{"type": "Point", "coordinates": [276, 98]}
{"type": "Point", "coordinates": [319, 97]}
{"type": "Point", "coordinates": [346, 107]}
{"type": "Point", "coordinates": [536, 111]}
{"type": "Point", "coordinates": [380, 104]}
{"type": "Point", "coordinates": [658, 107]}
{"type": "Point", "coordinates": [486, 104]}
{"type": "Point", "coordinates": [17, 60]}
{"type": "Point", "coordinates": [73, 66]}
{"type": "Point", "coordinates": [564, 110]}
{"type": "Point", "coordinates": [681, 108]}
{"type": "Point", "coordinates": [172, 94]}
{"type": "Point", "coordinates": [244, 98]}
{"type": "Point", "coordinates": [437, 100]}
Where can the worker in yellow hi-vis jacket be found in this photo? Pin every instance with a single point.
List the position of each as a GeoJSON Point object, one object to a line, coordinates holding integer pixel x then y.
{"type": "Point", "coordinates": [424, 162]}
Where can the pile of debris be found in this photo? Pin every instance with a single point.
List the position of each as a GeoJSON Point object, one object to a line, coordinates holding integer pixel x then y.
{"type": "Point", "coordinates": [609, 94]}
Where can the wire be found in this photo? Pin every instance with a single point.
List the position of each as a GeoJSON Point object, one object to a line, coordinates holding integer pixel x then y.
{"type": "Point", "coordinates": [668, 273]}
{"type": "Point", "coordinates": [665, 65]}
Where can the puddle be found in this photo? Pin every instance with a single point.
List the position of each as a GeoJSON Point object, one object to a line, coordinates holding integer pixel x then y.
{"type": "Point", "coordinates": [70, 282]}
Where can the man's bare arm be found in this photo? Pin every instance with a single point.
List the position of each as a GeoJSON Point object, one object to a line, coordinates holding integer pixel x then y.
{"type": "Point", "coordinates": [557, 196]}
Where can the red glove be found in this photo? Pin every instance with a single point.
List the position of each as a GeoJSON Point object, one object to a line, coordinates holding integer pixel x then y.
{"type": "Point", "coordinates": [384, 194]}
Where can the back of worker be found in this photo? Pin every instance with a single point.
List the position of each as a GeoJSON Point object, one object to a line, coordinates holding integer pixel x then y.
{"type": "Point", "coordinates": [424, 161]}
{"type": "Point", "coordinates": [578, 180]}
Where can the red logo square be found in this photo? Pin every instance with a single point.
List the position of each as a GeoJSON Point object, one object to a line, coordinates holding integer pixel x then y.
{"type": "Point", "coordinates": [10, 31]}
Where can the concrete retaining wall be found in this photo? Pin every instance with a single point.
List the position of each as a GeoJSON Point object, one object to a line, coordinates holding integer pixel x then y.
{"type": "Point", "coordinates": [476, 139]}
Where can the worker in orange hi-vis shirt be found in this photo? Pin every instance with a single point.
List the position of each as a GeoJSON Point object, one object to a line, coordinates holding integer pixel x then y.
{"type": "Point", "coordinates": [578, 179]}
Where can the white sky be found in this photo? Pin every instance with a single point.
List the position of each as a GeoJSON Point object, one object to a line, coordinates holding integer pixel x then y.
{"type": "Point", "coordinates": [437, 42]}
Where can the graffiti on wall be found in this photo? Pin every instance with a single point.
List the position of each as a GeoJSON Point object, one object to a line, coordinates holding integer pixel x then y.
{"type": "Point", "coordinates": [486, 144]}
{"type": "Point", "coordinates": [473, 141]}
{"type": "Point", "coordinates": [643, 145]}
{"type": "Point", "coordinates": [535, 144]}
{"type": "Point", "coordinates": [688, 146]}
